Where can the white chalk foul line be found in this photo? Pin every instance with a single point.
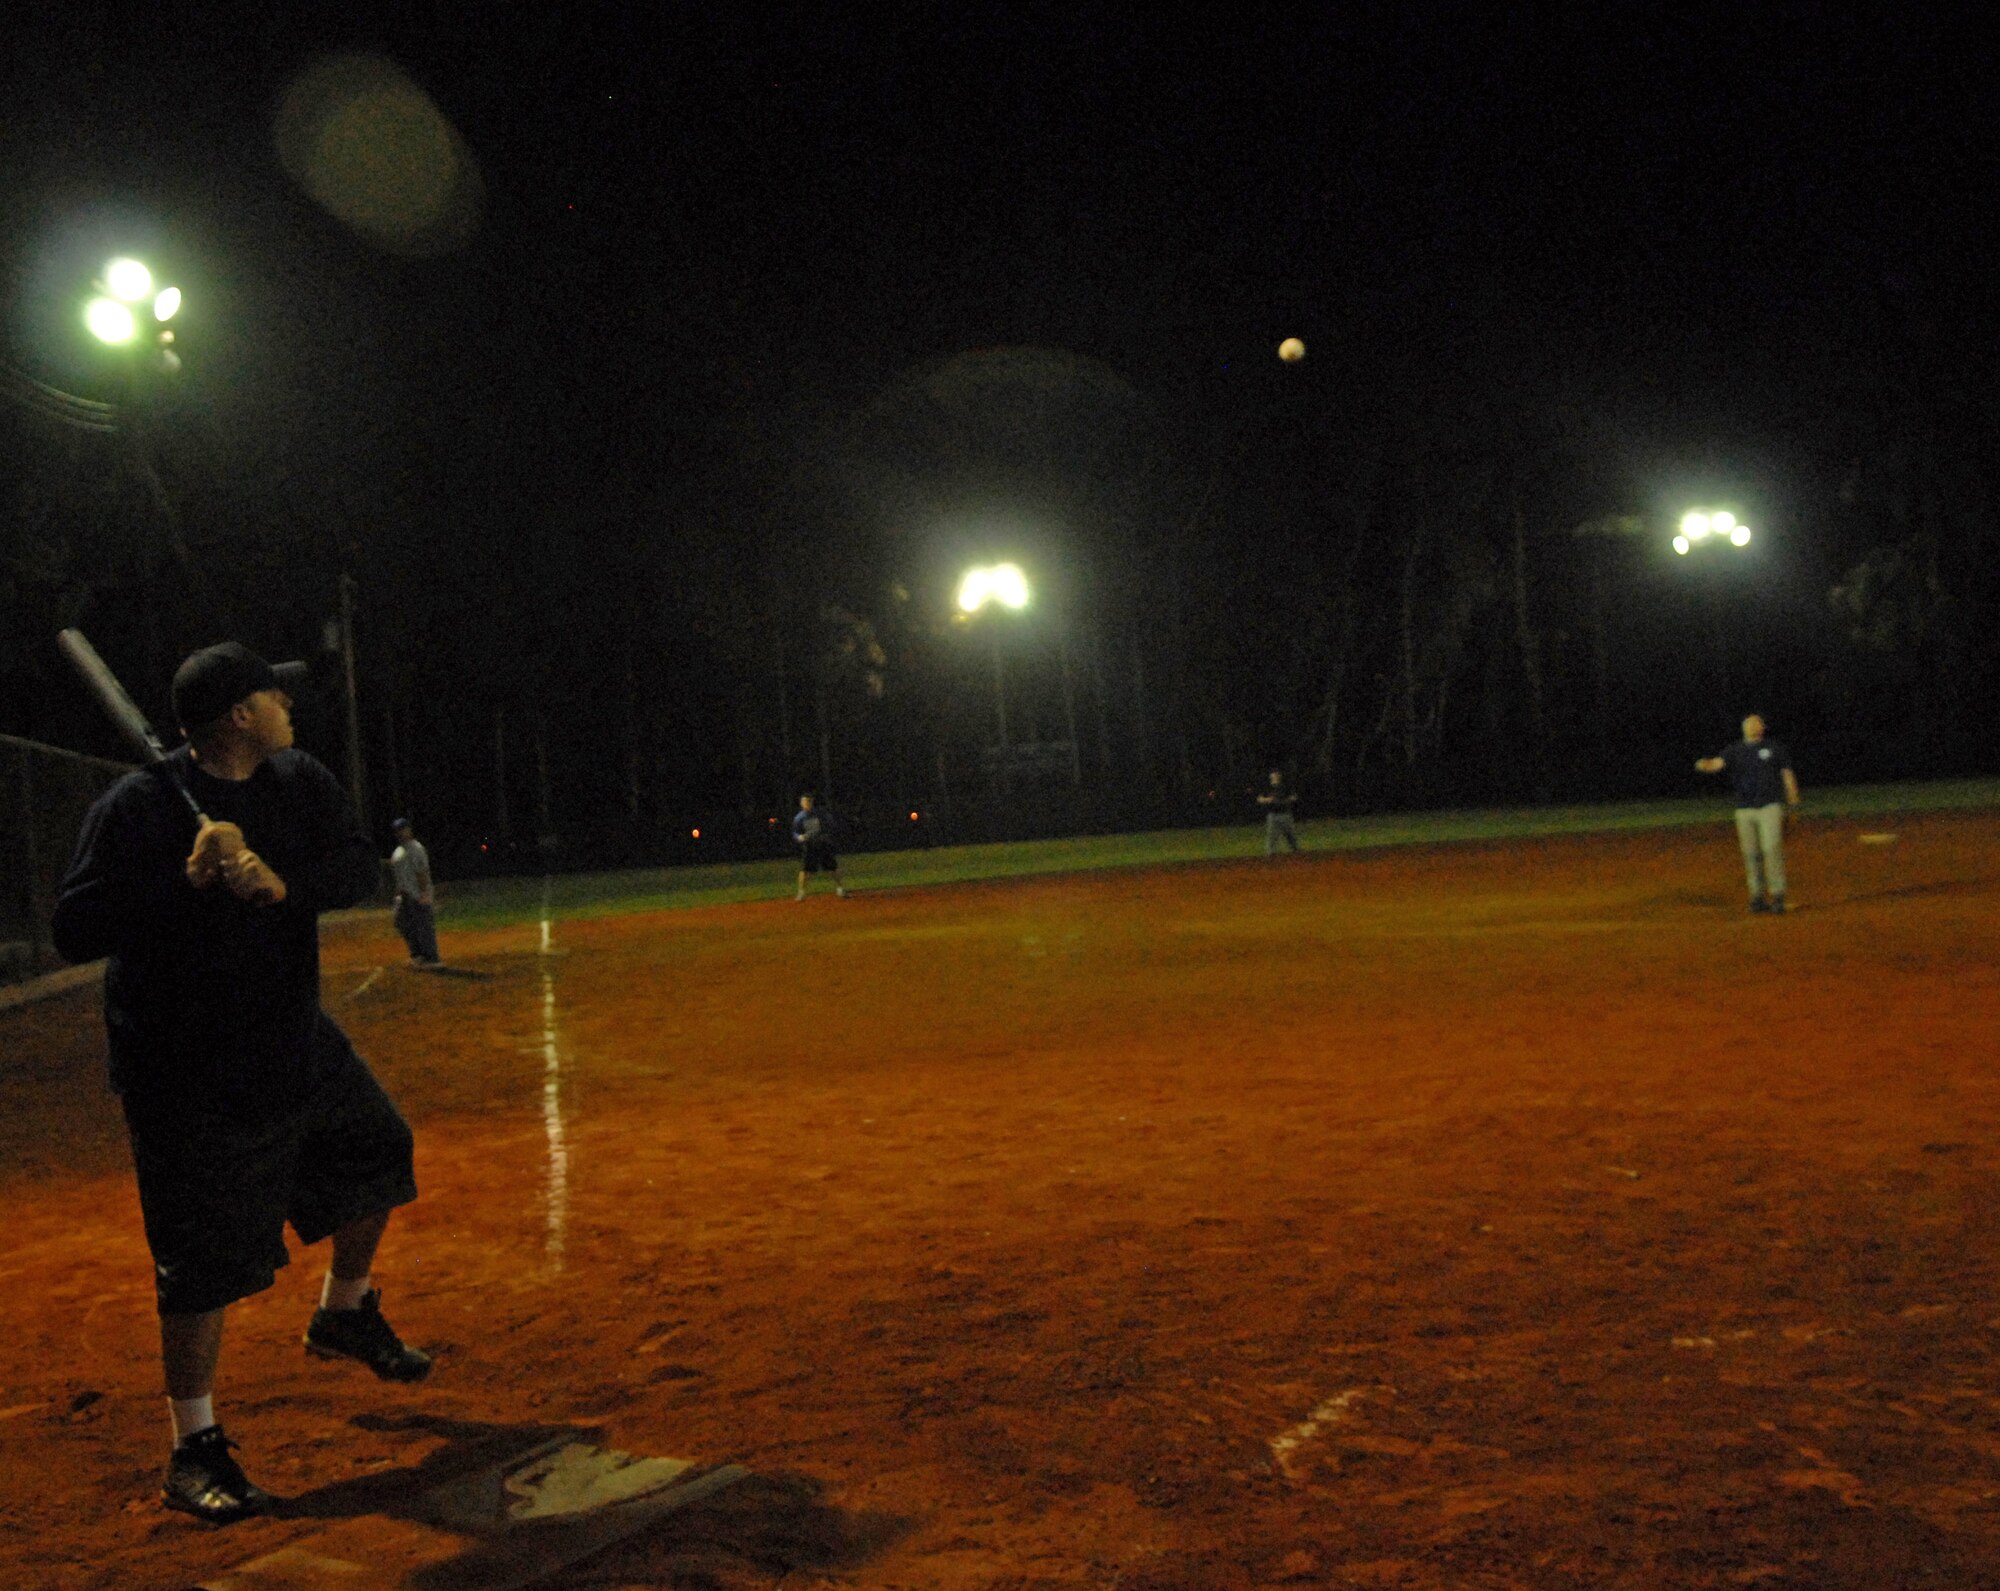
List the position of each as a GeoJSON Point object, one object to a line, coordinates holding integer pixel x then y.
{"type": "Point", "coordinates": [1331, 1412]}
{"type": "Point", "coordinates": [552, 1116]}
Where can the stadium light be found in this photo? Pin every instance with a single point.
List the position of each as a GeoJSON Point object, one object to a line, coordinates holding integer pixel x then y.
{"type": "Point", "coordinates": [127, 281]}
{"type": "Point", "coordinates": [1005, 585]}
{"type": "Point", "coordinates": [110, 321]}
{"type": "Point", "coordinates": [1700, 525]}
{"type": "Point", "coordinates": [1002, 583]}
{"type": "Point", "coordinates": [112, 315]}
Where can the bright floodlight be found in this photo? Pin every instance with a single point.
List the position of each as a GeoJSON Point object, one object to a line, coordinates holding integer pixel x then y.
{"type": "Point", "coordinates": [128, 281]}
{"type": "Point", "coordinates": [110, 321]}
{"type": "Point", "coordinates": [1003, 583]}
{"type": "Point", "coordinates": [1697, 525]}
{"type": "Point", "coordinates": [167, 303]}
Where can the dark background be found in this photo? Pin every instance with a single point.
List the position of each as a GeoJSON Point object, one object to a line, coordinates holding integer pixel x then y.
{"type": "Point", "coordinates": [654, 486]}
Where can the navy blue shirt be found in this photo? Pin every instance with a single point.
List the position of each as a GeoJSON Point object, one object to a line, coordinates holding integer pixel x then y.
{"type": "Point", "coordinates": [1753, 767]}
{"type": "Point", "coordinates": [207, 996]}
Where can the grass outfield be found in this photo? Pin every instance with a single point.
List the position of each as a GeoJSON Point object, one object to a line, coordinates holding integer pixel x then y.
{"type": "Point", "coordinates": [490, 902]}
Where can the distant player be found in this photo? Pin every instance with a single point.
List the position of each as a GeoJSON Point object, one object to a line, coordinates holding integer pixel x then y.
{"type": "Point", "coordinates": [813, 831]}
{"type": "Point", "coordinates": [416, 901]}
{"type": "Point", "coordinates": [1760, 772]}
{"type": "Point", "coordinates": [247, 1107]}
{"type": "Point", "coordinates": [1278, 799]}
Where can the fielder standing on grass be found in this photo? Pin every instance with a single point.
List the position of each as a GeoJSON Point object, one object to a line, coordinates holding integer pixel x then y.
{"type": "Point", "coordinates": [1278, 799]}
{"type": "Point", "coordinates": [246, 1106]}
{"type": "Point", "coordinates": [1760, 772]}
{"type": "Point", "coordinates": [816, 853]}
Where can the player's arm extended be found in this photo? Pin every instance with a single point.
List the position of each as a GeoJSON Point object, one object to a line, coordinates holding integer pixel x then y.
{"type": "Point", "coordinates": [1709, 765]}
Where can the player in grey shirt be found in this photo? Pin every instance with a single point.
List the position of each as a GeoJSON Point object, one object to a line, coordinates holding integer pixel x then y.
{"type": "Point", "coordinates": [416, 902]}
{"type": "Point", "coordinates": [1278, 799]}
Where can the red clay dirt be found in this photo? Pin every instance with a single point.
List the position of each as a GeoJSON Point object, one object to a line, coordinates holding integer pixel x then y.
{"type": "Point", "coordinates": [1521, 1216]}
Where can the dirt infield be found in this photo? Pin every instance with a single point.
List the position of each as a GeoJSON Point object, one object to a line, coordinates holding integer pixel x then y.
{"type": "Point", "coordinates": [1484, 1217]}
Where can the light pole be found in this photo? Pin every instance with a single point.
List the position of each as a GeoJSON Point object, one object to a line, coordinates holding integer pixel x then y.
{"type": "Point", "coordinates": [128, 311]}
{"type": "Point", "coordinates": [356, 781]}
{"type": "Point", "coordinates": [1714, 527]}
{"type": "Point", "coordinates": [1004, 585]}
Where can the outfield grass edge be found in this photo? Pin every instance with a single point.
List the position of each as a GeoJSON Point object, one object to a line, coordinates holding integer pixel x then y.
{"type": "Point", "coordinates": [491, 903]}
{"type": "Point", "coordinates": [488, 903]}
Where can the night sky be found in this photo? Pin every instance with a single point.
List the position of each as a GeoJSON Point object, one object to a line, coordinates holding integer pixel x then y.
{"type": "Point", "coordinates": [769, 322]}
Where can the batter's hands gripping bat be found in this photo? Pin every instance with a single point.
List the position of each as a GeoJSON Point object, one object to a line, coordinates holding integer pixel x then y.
{"type": "Point", "coordinates": [131, 723]}
{"type": "Point", "coordinates": [122, 710]}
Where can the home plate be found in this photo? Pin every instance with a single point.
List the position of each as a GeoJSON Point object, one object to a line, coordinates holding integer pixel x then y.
{"type": "Point", "coordinates": [1876, 839]}
{"type": "Point", "coordinates": [500, 1528]}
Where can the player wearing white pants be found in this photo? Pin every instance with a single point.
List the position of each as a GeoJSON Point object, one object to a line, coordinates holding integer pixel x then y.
{"type": "Point", "coordinates": [1760, 770]}
{"type": "Point", "coordinates": [1760, 831]}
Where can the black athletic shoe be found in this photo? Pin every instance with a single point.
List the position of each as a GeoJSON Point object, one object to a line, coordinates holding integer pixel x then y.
{"type": "Point", "coordinates": [1759, 905]}
{"type": "Point", "coordinates": [362, 1334]}
{"type": "Point", "coordinates": [203, 1480]}
{"type": "Point", "coordinates": [1777, 907]}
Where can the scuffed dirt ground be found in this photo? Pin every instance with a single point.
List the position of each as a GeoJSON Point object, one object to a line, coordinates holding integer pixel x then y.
{"type": "Point", "coordinates": [1520, 1217]}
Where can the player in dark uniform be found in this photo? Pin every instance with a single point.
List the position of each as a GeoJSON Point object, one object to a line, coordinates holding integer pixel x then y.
{"type": "Point", "coordinates": [817, 855]}
{"type": "Point", "coordinates": [1760, 772]}
{"type": "Point", "coordinates": [246, 1106]}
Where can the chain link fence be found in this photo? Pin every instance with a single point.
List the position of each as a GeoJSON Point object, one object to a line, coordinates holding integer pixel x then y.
{"type": "Point", "coordinates": [44, 793]}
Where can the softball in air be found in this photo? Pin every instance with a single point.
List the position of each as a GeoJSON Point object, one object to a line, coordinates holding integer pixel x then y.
{"type": "Point", "coordinates": [1291, 350]}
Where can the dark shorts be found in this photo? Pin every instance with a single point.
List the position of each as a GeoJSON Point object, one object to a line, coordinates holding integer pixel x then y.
{"type": "Point", "coordinates": [819, 858]}
{"type": "Point", "coordinates": [217, 1191]}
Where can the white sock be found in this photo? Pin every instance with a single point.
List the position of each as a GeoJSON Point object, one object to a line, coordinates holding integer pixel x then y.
{"type": "Point", "coordinates": [191, 1415]}
{"type": "Point", "coordinates": [341, 1293]}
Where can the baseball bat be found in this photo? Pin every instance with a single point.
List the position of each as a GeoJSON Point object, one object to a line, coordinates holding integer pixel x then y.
{"type": "Point", "coordinates": [123, 711]}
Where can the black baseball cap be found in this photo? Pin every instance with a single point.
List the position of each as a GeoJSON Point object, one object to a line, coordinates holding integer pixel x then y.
{"type": "Point", "coordinates": [216, 678]}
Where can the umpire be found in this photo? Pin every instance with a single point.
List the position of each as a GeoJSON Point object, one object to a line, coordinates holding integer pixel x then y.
{"type": "Point", "coordinates": [246, 1106]}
